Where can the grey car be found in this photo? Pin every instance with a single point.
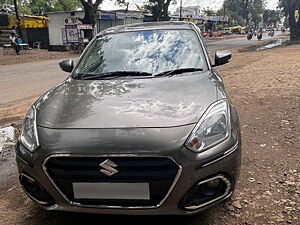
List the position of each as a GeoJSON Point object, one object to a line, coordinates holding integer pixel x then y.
{"type": "Point", "coordinates": [142, 125]}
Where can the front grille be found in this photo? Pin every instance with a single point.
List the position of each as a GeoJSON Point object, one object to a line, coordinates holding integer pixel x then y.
{"type": "Point", "coordinates": [159, 172]}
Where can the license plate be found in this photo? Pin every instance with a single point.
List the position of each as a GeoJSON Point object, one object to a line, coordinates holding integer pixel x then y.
{"type": "Point", "coordinates": [135, 191]}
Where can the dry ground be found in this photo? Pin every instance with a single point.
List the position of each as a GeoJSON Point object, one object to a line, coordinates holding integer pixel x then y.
{"type": "Point", "coordinates": [31, 56]}
{"type": "Point", "coordinates": [15, 110]}
{"type": "Point", "coordinates": [265, 89]}
{"type": "Point", "coordinates": [264, 86]}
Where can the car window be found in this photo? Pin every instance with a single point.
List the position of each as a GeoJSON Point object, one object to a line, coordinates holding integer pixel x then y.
{"type": "Point", "coordinates": [150, 51]}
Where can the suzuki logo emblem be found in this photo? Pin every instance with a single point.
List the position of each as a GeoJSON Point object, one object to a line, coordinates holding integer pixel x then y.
{"type": "Point", "coordinates": [108, 167]}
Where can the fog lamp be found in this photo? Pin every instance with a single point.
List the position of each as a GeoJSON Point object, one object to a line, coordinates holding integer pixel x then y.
{"type": "Point", "coordinates": [213, 183]}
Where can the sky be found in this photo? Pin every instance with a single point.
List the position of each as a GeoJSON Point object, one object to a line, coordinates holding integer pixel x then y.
{"type": "Point", "coordinates": [214, 4]}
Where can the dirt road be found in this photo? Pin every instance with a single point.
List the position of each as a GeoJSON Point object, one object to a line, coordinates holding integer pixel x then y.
{"type": "Point", "coordinates": [32, 55]}
{"type": "Point", "coordinates": [265, 89]}
{"type": "Point", "coordinates": [36, 72]}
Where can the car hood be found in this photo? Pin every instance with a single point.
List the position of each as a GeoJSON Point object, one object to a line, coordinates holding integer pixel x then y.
{"type": "Point", "coordinates": [128, 103]}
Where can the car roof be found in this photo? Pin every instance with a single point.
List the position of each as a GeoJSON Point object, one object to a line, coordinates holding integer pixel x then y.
{"type": "Point", "coordinates": [178, 25]}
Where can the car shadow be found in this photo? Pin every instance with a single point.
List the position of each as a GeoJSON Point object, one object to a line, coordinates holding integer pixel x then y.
{"type": "Point", "coordinates": [39, 216]}
{"type": "Point", "coordinates": [70, 218]}
{"type": "Point", "coordinates": [63, 218]}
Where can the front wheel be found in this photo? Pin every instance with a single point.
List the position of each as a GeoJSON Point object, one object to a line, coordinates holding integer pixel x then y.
{"type": "Point", "coordinates": [259, 37]}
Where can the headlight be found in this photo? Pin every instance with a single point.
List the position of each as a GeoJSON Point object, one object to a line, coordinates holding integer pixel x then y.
{"type": "Point", "coordinates": [28, 135]}
{"type": "Point", "coordinates": [212, 128]}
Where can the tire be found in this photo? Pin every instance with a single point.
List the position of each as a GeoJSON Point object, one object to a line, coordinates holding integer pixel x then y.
{"type": "Point", "coordinates": [259, 37]}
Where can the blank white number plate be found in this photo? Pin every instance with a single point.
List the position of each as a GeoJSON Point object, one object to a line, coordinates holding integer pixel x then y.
{"type": "Point", "coordinates": [134, 191]}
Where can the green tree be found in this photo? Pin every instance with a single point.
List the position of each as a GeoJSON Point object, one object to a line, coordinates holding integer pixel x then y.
{"type": "Point", "coordinates": [234, 19]}
{"type": "Point", "coordinates": [159, 8]}
{"type": "Point", "coordinates": [90, 14]}
{"type": "Point", "coordinates": [208, 12]}
{"type": "Point", "coordinates": [90, 11]}
{"type": "Point", "coordinates": [256, 9]}
{"type": "Point", "coordinates": [67, 5]}
{"type": "Point", "coordinates": [271, 17]}
{"type": "Point", "coordinates": [249, 10]}
{"type": "Point", "coordinates": [291, 9]}
{"type": "Point", "coordinates": [40, 7]}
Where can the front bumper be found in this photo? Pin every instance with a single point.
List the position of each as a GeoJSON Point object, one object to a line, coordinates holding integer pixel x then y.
{"type": "Point", "coordinates": [193, 168]}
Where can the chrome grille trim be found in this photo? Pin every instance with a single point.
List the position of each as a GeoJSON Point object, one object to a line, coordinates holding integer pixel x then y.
{"type": "Point", "coordinates": [226, 193]}
{"type": "Point", "coordinates": [227, 153]}
{"type": "Point", "coordinates": [112, 155]}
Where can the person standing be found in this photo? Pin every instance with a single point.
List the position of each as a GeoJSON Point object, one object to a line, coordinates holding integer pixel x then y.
{"type": "Point", "coordinates": [14, 42]}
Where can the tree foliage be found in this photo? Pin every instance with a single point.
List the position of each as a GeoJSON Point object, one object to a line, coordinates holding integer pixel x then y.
{"type": "Point", "coordinates": [234, 19]}
{"type": "Point", "coordinates": [271, 17]}
{"type": "Point", "coordinates": [290, 9]}
{"type": "Point", "coordinates": [249, 10]}
{"type": "Point", "coordinates": [40, 7]}
{"type": "Point", "coordinates": [208, 12]}
{"type": "Point", "coordinates": [90, 10]}
{"type": "Point", "coordinates": [159, 8]}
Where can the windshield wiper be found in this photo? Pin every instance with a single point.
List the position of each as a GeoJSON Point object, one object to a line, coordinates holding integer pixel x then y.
{"type": "Point", "coordinates": [177, 71]}
{"type": "Point", "coordinates": [115, 74]}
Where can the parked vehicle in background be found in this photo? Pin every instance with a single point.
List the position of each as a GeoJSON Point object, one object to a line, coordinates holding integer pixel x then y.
{"type": "Point", "coordinates": [249, 35]}
{"type": "Point", "coordinates": [236, 29]}
{"type": "Point", "coordinates": [226, 31]}
{"type": "Point", "coordinates": [218, 34]}
{"type": "Point", "coordinates": [271, 33]}
{"type": "Point", "coordinates": [212, 33]}
{"type": "Point", "coordinates": [205, 34]}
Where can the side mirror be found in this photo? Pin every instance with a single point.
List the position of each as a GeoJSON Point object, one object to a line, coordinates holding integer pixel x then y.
{"type": "Point", "coordinates": [222, 57]}
{"type": "Point", "coordinates": [66, 65]}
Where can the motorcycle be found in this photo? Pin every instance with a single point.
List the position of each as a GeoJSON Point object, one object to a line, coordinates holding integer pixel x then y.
{"type": "Point", "coordinates": [259, 36]}
{"type": "Point", "coordinates": [249, 36]}
{"type": "Point", "coordinates": [271, 33]}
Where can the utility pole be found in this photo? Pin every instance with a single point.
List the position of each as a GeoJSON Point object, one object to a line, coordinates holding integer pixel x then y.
{"type": "Point", "coordinates": [17, 16]}
{"type": "Point", "coordinates": [180, 11]}
{"type": "Point", "coordinates": [224, 13]}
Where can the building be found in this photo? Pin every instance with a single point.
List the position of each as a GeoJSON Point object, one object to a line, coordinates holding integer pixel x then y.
{"type": "Point", "coordinates": [193, 14]}
{"type": "Point", "coordinates": [189, 12]}
{"type": "Point", "coordinates": [61, 22]}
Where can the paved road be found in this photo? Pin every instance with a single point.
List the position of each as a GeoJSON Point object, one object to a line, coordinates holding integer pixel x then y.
{"type": "Point", "coordinates": [28, 79]}
{"type": "Point", "coordinates": [235, 43]}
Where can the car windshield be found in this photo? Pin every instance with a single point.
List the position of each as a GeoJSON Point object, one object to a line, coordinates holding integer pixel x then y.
{"type": "Point", "coordinates": [147, 52]}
